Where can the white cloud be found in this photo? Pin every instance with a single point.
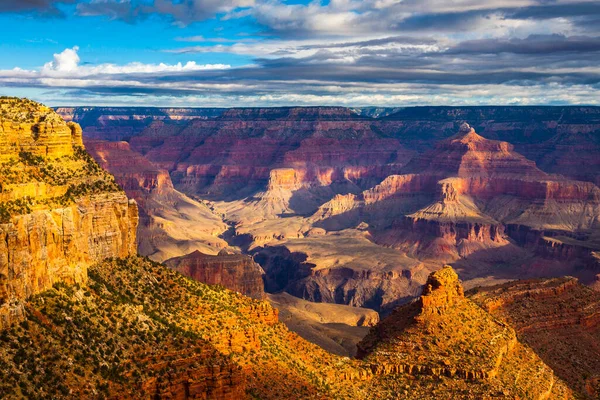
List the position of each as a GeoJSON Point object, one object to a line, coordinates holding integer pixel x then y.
{"type": "Point", "coordinates": [67, 61]}
{"type": "Point", "coordinates": [66, 65]}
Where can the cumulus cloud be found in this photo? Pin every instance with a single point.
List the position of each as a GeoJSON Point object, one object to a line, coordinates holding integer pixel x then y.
{"type": "Point", "coordinates": [67, 61]}
{"type": "Point", "coordinates": [66, 67]}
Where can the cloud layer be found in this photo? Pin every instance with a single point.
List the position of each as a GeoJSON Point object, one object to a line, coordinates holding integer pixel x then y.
{"type": "Point", "coordinates": [370, 52]}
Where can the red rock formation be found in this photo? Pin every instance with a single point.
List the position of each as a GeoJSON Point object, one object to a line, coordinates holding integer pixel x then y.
{"type": "Point", "coordinates": [486, 184]}
{"type": "Point", "coordinates": [443, 334]}
{"type": "Point", "coordinates": [236, 272]}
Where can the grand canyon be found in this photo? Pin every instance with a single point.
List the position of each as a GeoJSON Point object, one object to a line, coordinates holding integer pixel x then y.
{"type": "Point", "coordinates": [299, 199]}
{"type": "Point", "coordinates": [299, 252]}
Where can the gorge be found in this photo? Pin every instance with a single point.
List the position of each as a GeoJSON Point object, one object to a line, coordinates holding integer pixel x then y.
{"type": "Point", "coordinates": [254, 256]}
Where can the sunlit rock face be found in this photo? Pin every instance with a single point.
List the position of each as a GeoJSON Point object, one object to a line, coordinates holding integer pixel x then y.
{"type": "Point", "coordinates": [237, 272]}
{"type": "Point", "coordinates": [60, 211]}
{"type": "Point", "coordinates": [444, 334]}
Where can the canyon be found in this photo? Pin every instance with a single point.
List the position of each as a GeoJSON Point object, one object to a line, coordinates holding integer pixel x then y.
{"type": "Point", "coordinates": [84, 317]}
{"type": "Point", "coordinates": [338, 206]}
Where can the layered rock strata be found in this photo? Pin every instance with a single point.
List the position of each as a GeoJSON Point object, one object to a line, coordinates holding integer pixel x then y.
{"type": "Point", "coordinates": [237, 272]}
{"type": "Point", "coordinates": [59, 212]}
{"type": "Point", "coordinates": [444, 334]}
{"type": "Point", "coordinates": [559, 318]}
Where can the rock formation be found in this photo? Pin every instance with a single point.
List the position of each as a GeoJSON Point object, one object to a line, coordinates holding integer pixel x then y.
{"type": "Point", "coordinates": [445, 335]}
{"type": "Point", "coordinates": [59, 211]}
{"type": "Point", "coordinates": [132, 328]}
{"type": "Point", "coordinates": [237, 272]}
{"type": "Point", "coordinates": [418, 181]}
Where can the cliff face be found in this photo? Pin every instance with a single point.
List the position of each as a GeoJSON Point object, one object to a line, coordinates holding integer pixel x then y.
{"type": "Point", "coordinates": [33, 128]}
{"type": "Point", "coordinates": [236, 272]}
{"type": "Point", "coordinates": [60, 212]}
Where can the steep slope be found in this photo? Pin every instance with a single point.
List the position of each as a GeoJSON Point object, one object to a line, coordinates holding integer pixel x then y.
{"type": "Point", "coordinates": [140, 330]}
{"type": "Point", "coordinates": [171, 223]}
{"type": "Point", "coordinates": [59, 211]}
{"type": "Point", "coordinates": [446, 336]}
{"type": "Point", "coordinates": [559, 318]}
{"type": "Point", "coordinates": [237, 272]}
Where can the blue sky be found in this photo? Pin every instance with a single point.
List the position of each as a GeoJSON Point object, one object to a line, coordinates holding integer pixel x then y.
{"type": "Point", "coordinates": [275, 52]}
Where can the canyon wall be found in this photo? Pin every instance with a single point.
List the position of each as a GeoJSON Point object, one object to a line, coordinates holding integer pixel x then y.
{"type": "Point", "coordinates": [60, 211]}
{"type": "Point", "coordinates": [171, 223]}
{"type": "Point", "coordinates": [414, 182]}
{"type": "Point", "coordinates": [237, 272]}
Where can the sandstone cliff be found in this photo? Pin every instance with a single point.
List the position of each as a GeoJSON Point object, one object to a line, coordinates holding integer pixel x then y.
{"type": "Point", "coordinates": [237, 272]}
{"type": "Point", "coordinates": [59, 211]}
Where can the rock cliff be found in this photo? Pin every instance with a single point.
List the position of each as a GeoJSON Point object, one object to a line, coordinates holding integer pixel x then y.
{"type": "Point", "coordinates": [59, 211]}
{"type": "Point", "coordinates": [237, 272]}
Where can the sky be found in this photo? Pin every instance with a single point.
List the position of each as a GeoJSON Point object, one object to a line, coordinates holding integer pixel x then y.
{"type": "Point", "coordinates": [224, 53]}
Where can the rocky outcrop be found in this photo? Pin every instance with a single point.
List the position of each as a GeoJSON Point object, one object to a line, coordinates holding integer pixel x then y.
{"type": "Point", "coordinates": [31, 127]}
{"type": "Point", "coordinates": [193, 378]}
{"type": "Point", "coordinates": [444, 334]}
{"type": "Point", "coordinates": [478, 187]}
{"type": "Point", "coordinates": [237, 272]}
{"type": "Point", "coordinates": [60, 211]}
{"type": "Point", "coordinates": [559, 318]}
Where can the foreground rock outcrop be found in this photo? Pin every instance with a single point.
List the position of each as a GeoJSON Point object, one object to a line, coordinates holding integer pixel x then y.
{"type": "Point", "coordinates": [140, 330]}
{"type": "Point", "coordinates": [59, 211]}
{"type": "Point", "coordinates": [447, 336]}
